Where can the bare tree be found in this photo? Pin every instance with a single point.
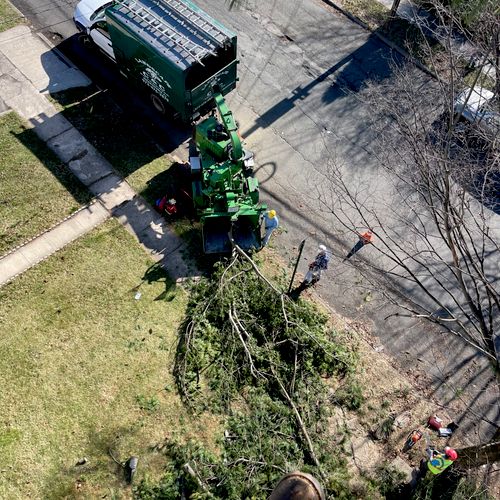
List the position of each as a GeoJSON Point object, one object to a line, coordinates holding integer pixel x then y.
{"type": "Point", "coordinates": [470, 24]}
{"type": "Point", "coordinates": [436, 232]}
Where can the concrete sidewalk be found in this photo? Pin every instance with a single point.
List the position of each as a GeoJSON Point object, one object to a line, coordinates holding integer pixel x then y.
{"type": "Point", "coordinates": [44, 245]}
{"type": "Point", "coordinates": [29, 68]}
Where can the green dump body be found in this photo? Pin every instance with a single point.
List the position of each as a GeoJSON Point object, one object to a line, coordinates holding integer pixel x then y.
{"type": "Point", "coordinates": [175, 50]}
{"type": "Point", "coordinates": [225, 193]}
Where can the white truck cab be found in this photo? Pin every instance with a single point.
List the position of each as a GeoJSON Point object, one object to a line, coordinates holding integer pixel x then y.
{"type": "Point", "coordinates": [89, 18]}
{"type": "Point", "coordinates": [477, 106]}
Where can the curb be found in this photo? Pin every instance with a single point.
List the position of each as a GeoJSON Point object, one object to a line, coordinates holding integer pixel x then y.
{"type": "Point", "coordinates": [382, 38]}
{"type": "Point", "coordinates": [15, 9]}
{"type": "Point", "coordinates": [59, 54]}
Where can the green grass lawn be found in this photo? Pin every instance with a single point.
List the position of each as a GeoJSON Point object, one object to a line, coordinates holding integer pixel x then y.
{"type": "Point", "coordinates": [86, 368]}
{"type": "Point", "coordinates": [131, 152]}
{"type": "Point", "coordinates": [36, 190]}
{"type": "Point", "coordinates": [371, 12]}
{"type": "Point", "coordinates": [8, 16]}
{"type": "Point", "coordinates": [117, 137]}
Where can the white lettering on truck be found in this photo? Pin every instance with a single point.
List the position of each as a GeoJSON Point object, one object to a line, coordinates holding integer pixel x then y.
{"type": "Point", "coordinates": [153, 79]}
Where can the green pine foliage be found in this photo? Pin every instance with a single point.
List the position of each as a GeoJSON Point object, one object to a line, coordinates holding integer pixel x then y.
{"type": "Point", "coordinates": [450, 485]}
{"type": "Point", "coordinates": [256, 357]}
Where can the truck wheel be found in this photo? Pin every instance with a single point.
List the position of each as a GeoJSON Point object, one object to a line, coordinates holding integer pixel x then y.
{"type": "Point", "coordinates": [158, 103]}
{"type": "Point", "coordinates": [84, 39]}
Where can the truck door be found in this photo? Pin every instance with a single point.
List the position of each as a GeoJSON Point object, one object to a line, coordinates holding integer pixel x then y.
{"type": "Point", "coordinates": [225, 79]}
{"type": "Point", "coordinates": [100, 36]}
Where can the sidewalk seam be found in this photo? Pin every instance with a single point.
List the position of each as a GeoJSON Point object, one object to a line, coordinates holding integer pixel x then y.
{"type": "Point", "coordinates": [59, 134]}
{"type": "Point", "coordinates": [98, 179]}
{"type": "Point", "coordinates": [94, 201]}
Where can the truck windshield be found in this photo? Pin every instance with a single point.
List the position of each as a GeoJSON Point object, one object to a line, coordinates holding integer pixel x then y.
{"type": "Point", "coordinates": [197, 73]}
{"type": "Point", "coordinates": [100, 11]}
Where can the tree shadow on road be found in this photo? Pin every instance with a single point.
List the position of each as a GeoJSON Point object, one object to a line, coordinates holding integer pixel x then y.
{"type": "Point", "coordinates": [370, 62]}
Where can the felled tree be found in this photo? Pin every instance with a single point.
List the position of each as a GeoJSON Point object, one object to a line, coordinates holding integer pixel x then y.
{"type": "Point", "coordinates": [260, 360]}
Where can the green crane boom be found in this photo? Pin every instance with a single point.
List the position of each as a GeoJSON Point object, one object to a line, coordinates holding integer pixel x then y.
{"type": "Point", "coordinates": [230, 126]}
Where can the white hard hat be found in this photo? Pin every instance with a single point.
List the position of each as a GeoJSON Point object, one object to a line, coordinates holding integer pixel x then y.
{"type": "Point", "coordinates": [322, 248]}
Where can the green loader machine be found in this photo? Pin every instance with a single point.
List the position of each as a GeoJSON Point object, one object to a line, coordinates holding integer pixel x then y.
{"type": "Point", "coordinates": [225, 192]}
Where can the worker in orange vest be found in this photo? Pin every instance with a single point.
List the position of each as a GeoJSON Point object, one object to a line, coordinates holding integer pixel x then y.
{"type": "Point", "coordinates": [364, 239]}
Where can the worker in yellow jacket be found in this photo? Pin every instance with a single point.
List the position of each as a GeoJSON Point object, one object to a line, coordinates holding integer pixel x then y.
{"type": "Point", "coordinates": [439, 461]}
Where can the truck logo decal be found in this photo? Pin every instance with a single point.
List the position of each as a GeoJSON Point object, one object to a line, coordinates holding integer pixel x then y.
{"type": "Point", "coordinates": [153, 79]}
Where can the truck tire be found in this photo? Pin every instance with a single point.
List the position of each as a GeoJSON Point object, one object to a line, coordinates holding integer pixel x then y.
{"type": "Point", "coordinates": [158, 103]}
{"type": "Point", "coordinates": [84, 39]}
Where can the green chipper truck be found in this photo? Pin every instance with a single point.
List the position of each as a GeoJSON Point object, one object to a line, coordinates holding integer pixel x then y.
{"type": "Point", "coordinates": [170, 48]}
{"type": "Point", "coordinates": [187, 62]}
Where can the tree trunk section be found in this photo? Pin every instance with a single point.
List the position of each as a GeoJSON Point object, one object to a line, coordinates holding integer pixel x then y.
{"type": "Point", "coordinates": [394, 9]}
{"type": "Point", "coordinates": [497, 65]}
{"type": "Point", "coordinates": [475, 456]}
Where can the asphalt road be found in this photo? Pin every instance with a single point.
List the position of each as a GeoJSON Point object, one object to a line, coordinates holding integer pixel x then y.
{"type": "Point", "coordinates": [302, 72]}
